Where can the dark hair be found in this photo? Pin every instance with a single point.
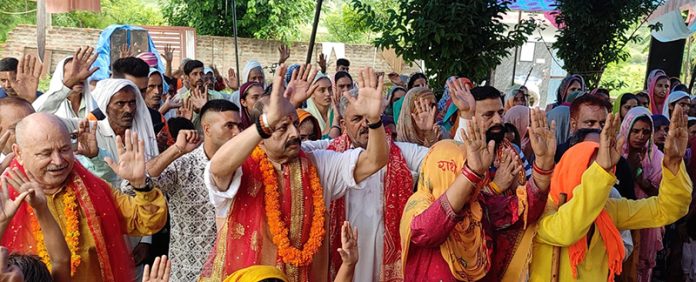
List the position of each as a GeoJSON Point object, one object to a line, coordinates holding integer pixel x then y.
{"type": "Point", "coordinates": [218, 105]}
{"type": "Point", "coordinates": [643, 95]}
{"type": "Point", "coordinates": [31, 266]}
{"type": "Point", "coordinates": [627, 97]}
{"type": "Point", "coordinates": [691, 123]}
{"type": "Point", "coordinates": [645, 119]}
{"type": "Point", "coordinates": [674, 80]}
{"type": "Point", "coordinates": [129, 66]}
{"type": "Point", "coordinates": [343, 62]}
{"type": "Point", "coordinates": [192, 65]}
{"type": "Point", "coordinates": [177, 124]}
{"type": "Point", "coordinates": [342, 74]}
{"type": "Point", "coordinates": [587, 100]}
{"type": "Point", "coordinates": [170, 80]}
{"type": "Point", "coordinates": [9, 64]}
{"type": "Point", "coordinates": [680, 87]}
{"type": "Point", "coordinates": [414, 77]}
{"type": "Point", "coordinates": [510, 128]}
{"type": "Point", "coordinates": [485, 92]}
{"type": "Point", "coordinates": [581, 134]}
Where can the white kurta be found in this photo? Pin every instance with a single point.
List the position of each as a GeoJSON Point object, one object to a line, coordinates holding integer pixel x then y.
{"type": "Point", "coordinates": [365, 209]}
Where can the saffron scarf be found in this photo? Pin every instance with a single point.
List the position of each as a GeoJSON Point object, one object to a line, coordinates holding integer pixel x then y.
{"type": "Point", "coordinates": [566, 177]}
{"type": "Point", "coordinates": [465, 249]}
{"type": "Point", "coordinates": [99, 209]}
{"type": "Point", "coordinates": [256, 273]}
{"type": "Point", "coordinates": [239, 243]}
{"type": "Point", "coordinates": [398, 186]}
{"type": "Point", "coordinates": [654, 76]}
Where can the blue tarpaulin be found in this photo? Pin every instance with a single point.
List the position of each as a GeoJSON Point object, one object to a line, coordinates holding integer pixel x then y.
{"type": "Point", "coordinates": [533, 5]}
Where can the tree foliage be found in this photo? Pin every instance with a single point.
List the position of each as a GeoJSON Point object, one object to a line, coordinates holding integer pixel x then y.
{"type": "Point", "coordinates": [263, 19]}
{"type": "Point", "coordinates": [594, 33]}
{"type": "Point", "coordinates": [453, 37]}
{"type": "Point", "coordinates": [112, 12]}
{"type": "Point", "coordinates": [344, 24]}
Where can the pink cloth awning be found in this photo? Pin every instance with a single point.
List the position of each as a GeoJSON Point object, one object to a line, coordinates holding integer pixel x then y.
{"type": "Point", "coordinates": [64, 6]}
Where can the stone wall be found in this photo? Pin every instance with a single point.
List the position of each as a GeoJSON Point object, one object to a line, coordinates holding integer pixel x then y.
{"type": "Point", "coordinates": [61, 42]}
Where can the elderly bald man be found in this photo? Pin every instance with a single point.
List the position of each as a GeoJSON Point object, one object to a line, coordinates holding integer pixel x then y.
{"type": "Point", "coordinates": [93, 216]}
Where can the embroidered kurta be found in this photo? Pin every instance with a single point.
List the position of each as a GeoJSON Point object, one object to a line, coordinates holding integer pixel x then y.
{"type": "Point", "coordinates": [192, 215]}
{"type": "Point", "coordinates": [573, 220]}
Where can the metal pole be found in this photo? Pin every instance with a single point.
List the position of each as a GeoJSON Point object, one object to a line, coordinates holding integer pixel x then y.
{"type": "Point", "coordinates": [236, 46]}
{"type": "Point", "coordinates": [514, 63]}
{"type": "Point", "coordinates": [317, 12]}
{"type": "Point", "coordinates": [41, 27]}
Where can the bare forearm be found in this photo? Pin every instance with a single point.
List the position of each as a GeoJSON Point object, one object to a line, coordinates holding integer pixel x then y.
{"type": "Point", "coordinates": [459, 193]}
{"type": "Point", "coordinates": [375, 156]}
{"type": "Point", "coordinates": [345, 273]}
{"type": "Point", "coordinates": [168, 69]}
{"type": "Point", "coordinates": [156, 166]}
{"type": "Point", "coordinates": [232, 155]}
{"type": "Point", "coordinates": [542, 182]}
{"type": "Point", "coordinates": [56, 246]}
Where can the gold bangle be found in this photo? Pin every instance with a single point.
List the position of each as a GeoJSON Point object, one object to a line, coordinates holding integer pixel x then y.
{"type": "Point", "coordinates": [495, 187]}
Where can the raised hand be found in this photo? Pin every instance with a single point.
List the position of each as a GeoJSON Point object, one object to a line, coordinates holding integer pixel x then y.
{"type": "Point", "coordinates": [300, 87]}
{"type": "Point", "coordinates": [186, 109]}
{"type": "Point", "coordinates": [349, 245]}
{"type": "Point", "coordinates": [284, 54]}
{"type": "Point", "coordinates": [28, 74]}
{"type": "Point", "coordinates": [279, 106]}
{"type": "Point", "coordinates": [677, 140]}
{"type": "Point", "coordinates": [321, 61]}
{"type": "Point", "coordinates": [609, 148]}
{"type": "Point", "coordinates": [370, 100]}
{"type": "Point", "coordinates": [198, 98]}
{"type": "Point", "coordinates": [188, 140]}
{"type": "Point", "coordinates": [81, 67]}
{"type": "Point", "coordinates": [9, 207]}
{"type": "Point", "coordinates": [479, 155]}
{"type": "Point", "coordinates": [159, 272]}
{"type": "Point", "coordinates": [87, 139]}
{"type": "Point", "coordinates": [168, 54]}
{"type": "Point", "coordinates": [507, 171]}
{"type": "Point", "coordinates": [424, 115]}
{"type": "Point", "coordinates": [231, 80]}
{"type": "Point", "coordinates": [169, 103]}
{"type": "Point", "coordinates": [543, 139]}
{"type": "Point", "coordinates": [25, 184]}
{"type": "Point", "coordinates": [124, 51]}
{"type": "Point", "coordinates": [462, 98]}
{"type": "Point", "coordinates": [131, 159]}
{"type": "Point", "coordinates": [4, 138]}
{"type": "Point", "coordinates": [395, 79]}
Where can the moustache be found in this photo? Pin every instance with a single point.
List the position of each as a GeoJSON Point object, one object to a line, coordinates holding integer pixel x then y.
{"type": "Point", "coordinates": [56, 167]}
{"type": "Point", "coordinates": [495, 133]}
{"type": "Point", "coordinates": [291, 142]}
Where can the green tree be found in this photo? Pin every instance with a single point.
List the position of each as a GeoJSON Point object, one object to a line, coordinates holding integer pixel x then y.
{"type": "Point", "coordinates": [594, 33]}
{"type": "Point", "coordinates": [264, 19]}
{"type": "Point", "coordinates": [345, 25]}
{"type": "Point", "coordinates": [452, 37]}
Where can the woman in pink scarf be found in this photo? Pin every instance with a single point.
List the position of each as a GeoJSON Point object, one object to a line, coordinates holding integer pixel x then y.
{"type": "Point", "coordinates": [658, 90]}
{"type": "Point", "coordinates": [519, 117]}
{"type": "Point", "coordinates": [645, 161]}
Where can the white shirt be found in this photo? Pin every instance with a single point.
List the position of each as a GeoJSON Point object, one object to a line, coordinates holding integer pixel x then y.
{"type": "Point", "coordinates": [335, 174]}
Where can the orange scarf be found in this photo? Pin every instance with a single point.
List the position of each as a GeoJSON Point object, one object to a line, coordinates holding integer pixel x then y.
{"type": "Point", "coordinates": [568, 175]}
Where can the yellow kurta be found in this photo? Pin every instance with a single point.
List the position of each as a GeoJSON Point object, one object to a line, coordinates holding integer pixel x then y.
{"type": "Point", "coordinates": [573, 220]}
{"type": "Point", "coordinates": [144, 214]}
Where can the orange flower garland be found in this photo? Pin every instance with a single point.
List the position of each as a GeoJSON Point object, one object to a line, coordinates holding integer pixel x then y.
{"type": "Point", "coordinates": [72, 232]}
{"type": "Point", "coordinates": [278, 228]}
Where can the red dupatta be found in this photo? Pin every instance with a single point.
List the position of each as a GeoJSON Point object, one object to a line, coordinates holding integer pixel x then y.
{"type": "Point", "coordinates": [98, 208]}
{"type": "Point", "coordinates": [398, 187]}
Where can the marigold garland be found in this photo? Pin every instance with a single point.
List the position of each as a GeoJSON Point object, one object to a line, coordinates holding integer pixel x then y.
{"type": "Point", "coordinates": [279, 231]}
{"type": "Point", "coordinates": [72, 232]}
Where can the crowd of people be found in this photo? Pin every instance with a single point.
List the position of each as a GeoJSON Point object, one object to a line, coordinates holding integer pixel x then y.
{"type": "Point", "coordinates": [309, 175]}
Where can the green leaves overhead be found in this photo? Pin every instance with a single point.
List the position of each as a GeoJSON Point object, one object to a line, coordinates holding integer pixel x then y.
{"type": "Point", "coordinates": [595, 32]}
{"type": "Point", "coordinates": [464, 37]}
{"type": "Point", "coordinates": [264, 19]}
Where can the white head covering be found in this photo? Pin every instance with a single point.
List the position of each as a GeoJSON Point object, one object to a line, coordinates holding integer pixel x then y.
{"type": "Point", "coordinates": [57, 84]}
{"type": "Point", "coordinates": [673, 97]}
{"type": "Point", "coordinates": [142, 122]}
{"type": "Point", "coordinates": [250, 65]}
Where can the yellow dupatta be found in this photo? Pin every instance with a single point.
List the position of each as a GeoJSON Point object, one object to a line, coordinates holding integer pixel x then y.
{"type": "Point", "coordinates": [465, 249]}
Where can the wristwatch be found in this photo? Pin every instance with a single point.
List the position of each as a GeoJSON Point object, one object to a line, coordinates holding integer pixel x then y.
{"type": "Point", "coordinates": [146, 188]}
